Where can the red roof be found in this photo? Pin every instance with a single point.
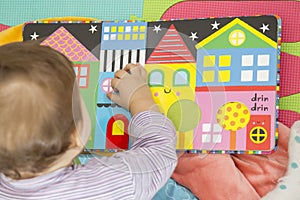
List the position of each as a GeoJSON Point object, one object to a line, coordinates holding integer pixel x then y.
{"type": "Point", "coordinates": [171, 49]}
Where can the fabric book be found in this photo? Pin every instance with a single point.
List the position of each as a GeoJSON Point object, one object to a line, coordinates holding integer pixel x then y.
{"type": "Point", "coordinates": [217, 79]}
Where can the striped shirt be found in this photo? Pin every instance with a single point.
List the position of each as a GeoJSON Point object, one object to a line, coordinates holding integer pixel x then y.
{"type": "Point", "coordinates": [134, 174]}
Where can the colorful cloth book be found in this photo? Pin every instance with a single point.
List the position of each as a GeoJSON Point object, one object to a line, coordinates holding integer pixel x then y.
{"type": "Point", "coordinates": [217, 79]}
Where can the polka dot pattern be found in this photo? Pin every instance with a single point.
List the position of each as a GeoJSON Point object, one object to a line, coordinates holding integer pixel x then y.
{"type": "Point", "coordinates": [294, 165]}
{"type": "Point", "coordinates": [233, 116]}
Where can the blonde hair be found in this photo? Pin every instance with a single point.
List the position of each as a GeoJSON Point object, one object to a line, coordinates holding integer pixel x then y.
{"type": "Point", "coordinates": [36, 120]}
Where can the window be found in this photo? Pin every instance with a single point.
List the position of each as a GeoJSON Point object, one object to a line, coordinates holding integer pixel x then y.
{"type": "Point", "coordinates": [224, 61]}
{"type": "Point", "coordinates": [206, 127]}
{"type": "Point", "coordinates": [263, 60]}
{"type": "Point", "coordinates": [262, 75]}
{"type": "Point", "coordinates": [209, 61]}
{"type": "Point", "coordinates": [118, 128]}
{"type": "Point", "coordinates": [247, 60]}
{"type": "Point", "coordinates": [237, 37]}
{"type": "Point", "coordinates": [224, 76]}
{"type": "Point", "coordinates": [156, 78]}
{"type": "Point", "coordinates": [181, 78]}
{"type": "Point", "coordinates": [82, 72]}
{"type": "Point", "coordinates": [206, 138]}
{"type": "Point", "coordinates": [246, 75]}
{"type": "Point", "coordinates": [208, 76]}
{"type": "Point", "coordinates": [258, 135]}
{"type": "Point", "coordinates": [106, 85]}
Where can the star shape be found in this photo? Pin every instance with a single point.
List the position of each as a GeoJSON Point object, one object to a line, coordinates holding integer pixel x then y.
{"type": "Point", "coordinates": [34, 36]}
{"type": "Point", "coordinates": [193, 36]}
{"type": "Point", "coordinates": [264, 28]}
{"type": "Point", "coordinates": [157, 29]}
{"type": "Point", "coordinates": [215, 25]}
{"type": "Point", "coordinates": [93, 29]}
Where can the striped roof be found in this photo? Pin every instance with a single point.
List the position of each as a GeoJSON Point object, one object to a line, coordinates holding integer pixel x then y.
{"type": "Point", "coordinates": [171, 49]}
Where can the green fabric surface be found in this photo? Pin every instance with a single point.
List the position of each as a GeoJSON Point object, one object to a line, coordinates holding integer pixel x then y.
{"type": "Point", "coordinates": [14, 12]}
{"type": "Point", "coordinates": [290, 103]}
{"type": "Point", "coordinates": [154, 9]}
{"type": "Point", "coordinates": [291, 48]}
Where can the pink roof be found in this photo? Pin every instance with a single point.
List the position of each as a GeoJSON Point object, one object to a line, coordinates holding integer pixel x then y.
{"type": "Point", "coordinates": [66, 43]}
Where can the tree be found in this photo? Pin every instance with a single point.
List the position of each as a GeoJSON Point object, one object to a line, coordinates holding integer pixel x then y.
{"type": "Point", "coordinates": [233, 116]}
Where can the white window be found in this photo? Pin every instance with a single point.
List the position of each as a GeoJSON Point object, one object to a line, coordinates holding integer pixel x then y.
{"type": "Point", "coordinates": [262, 75]}
{"type": "Point", "coordinates": [181, 77]}
{"type": "Point", "coordinates": [206, 138]}
{"type": "Point", "coordinates": [263, 60]}
{"type": "Point", "coordinates": [156, 78]}
{"type": "Point", "coordinates": [106, 29]}
{"type": "Point", "coordinates": [217, 128]}
{"type": "Point", "coordinates": [217, 138]}
{"type": "Point", "coordinates": [113, 36]}
{"type": "Point", "coordinates": [128, 29]}
{"type": "Point", "coordinates": [206, 127]}
{"type": "Point", "coordinates": [247, 60]}
{"type": "Point", "coordinates": [105, 37]}
{"type": "Point", "coordinates": [246, 75]}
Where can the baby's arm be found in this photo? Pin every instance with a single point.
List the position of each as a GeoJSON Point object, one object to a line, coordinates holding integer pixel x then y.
{"type": "Point", "coordinates": [152, 157]}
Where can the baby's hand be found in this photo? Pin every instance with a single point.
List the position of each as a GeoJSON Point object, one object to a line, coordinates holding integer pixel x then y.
{"type": "Point", "coordinates": [131, 90]}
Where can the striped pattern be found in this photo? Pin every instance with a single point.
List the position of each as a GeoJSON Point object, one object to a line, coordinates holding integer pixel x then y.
{"type": "Point", "coordinates": [135, 174]}
{"type": "Point", "coordinates": [113, 60]}
{"type": "Point", "coordinates": [171, 49]}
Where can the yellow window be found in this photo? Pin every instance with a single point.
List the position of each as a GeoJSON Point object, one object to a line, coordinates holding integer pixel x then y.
{"type": "Point", "coordinates": [121, 29]}
{"type": "Point", "coordinates": [142, 36]}
{"type": "Point", "coordinates": [135, 28]}
{"type": "Point", "coordinates": [120, 36]}
{"type": "Point", "coordinates": [127, 36]}
{"type": "Point", "coordinates": [118, 128]}
{"type": "Point", "coordinates": [209, 61]}
{"type": "Point", "coordinates": [142, 28]}
{"type": "Point", "coordinates": [224, 76]}
{"type": "Point", "coordinates": [224, 61]}
{"type": "Point", "coordinates": [113, 29]}
{"type": "Point", "coordinates": [208, 76]}
{"type": "Point", "coordinates": [237, 37]}
{"type": "Point", "coordinates": [134, 36]}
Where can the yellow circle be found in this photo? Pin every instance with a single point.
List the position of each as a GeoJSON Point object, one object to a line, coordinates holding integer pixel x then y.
{"type": "Point", "coordinates": [237, 37]}
{"type": "Point", "coordinates": [258, 135]}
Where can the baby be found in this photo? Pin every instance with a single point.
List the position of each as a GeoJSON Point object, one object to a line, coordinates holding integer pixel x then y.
{"type": "Point", "coordinates": [44, 125]}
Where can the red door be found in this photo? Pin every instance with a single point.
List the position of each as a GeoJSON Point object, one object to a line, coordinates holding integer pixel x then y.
{"type": "Point", "coordinates": [116, 132]}
{"type": "Point", "coordinates": [258, 132]}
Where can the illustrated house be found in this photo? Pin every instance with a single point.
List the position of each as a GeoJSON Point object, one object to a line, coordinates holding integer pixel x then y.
{"type": "Point", "coordinates": [111, 130]}
{"type": "Point", "coordinates": [172, 78]}
{"type": "Point", "coordinates": [121, 43]}
{"type": "Point", "coordinates": [86, 67]}
{"type": "Point", "coordinates": [236, 55]}
{"type": "Point", "coordinates": [231, 61]}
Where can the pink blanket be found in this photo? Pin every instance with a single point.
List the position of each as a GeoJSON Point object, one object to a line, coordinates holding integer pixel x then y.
{"type": "Point", "coordinates": [230, 177]}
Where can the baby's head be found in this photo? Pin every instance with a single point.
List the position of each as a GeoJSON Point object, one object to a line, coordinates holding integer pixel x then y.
{"type": "Point", "coordinates": [37, 104]}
